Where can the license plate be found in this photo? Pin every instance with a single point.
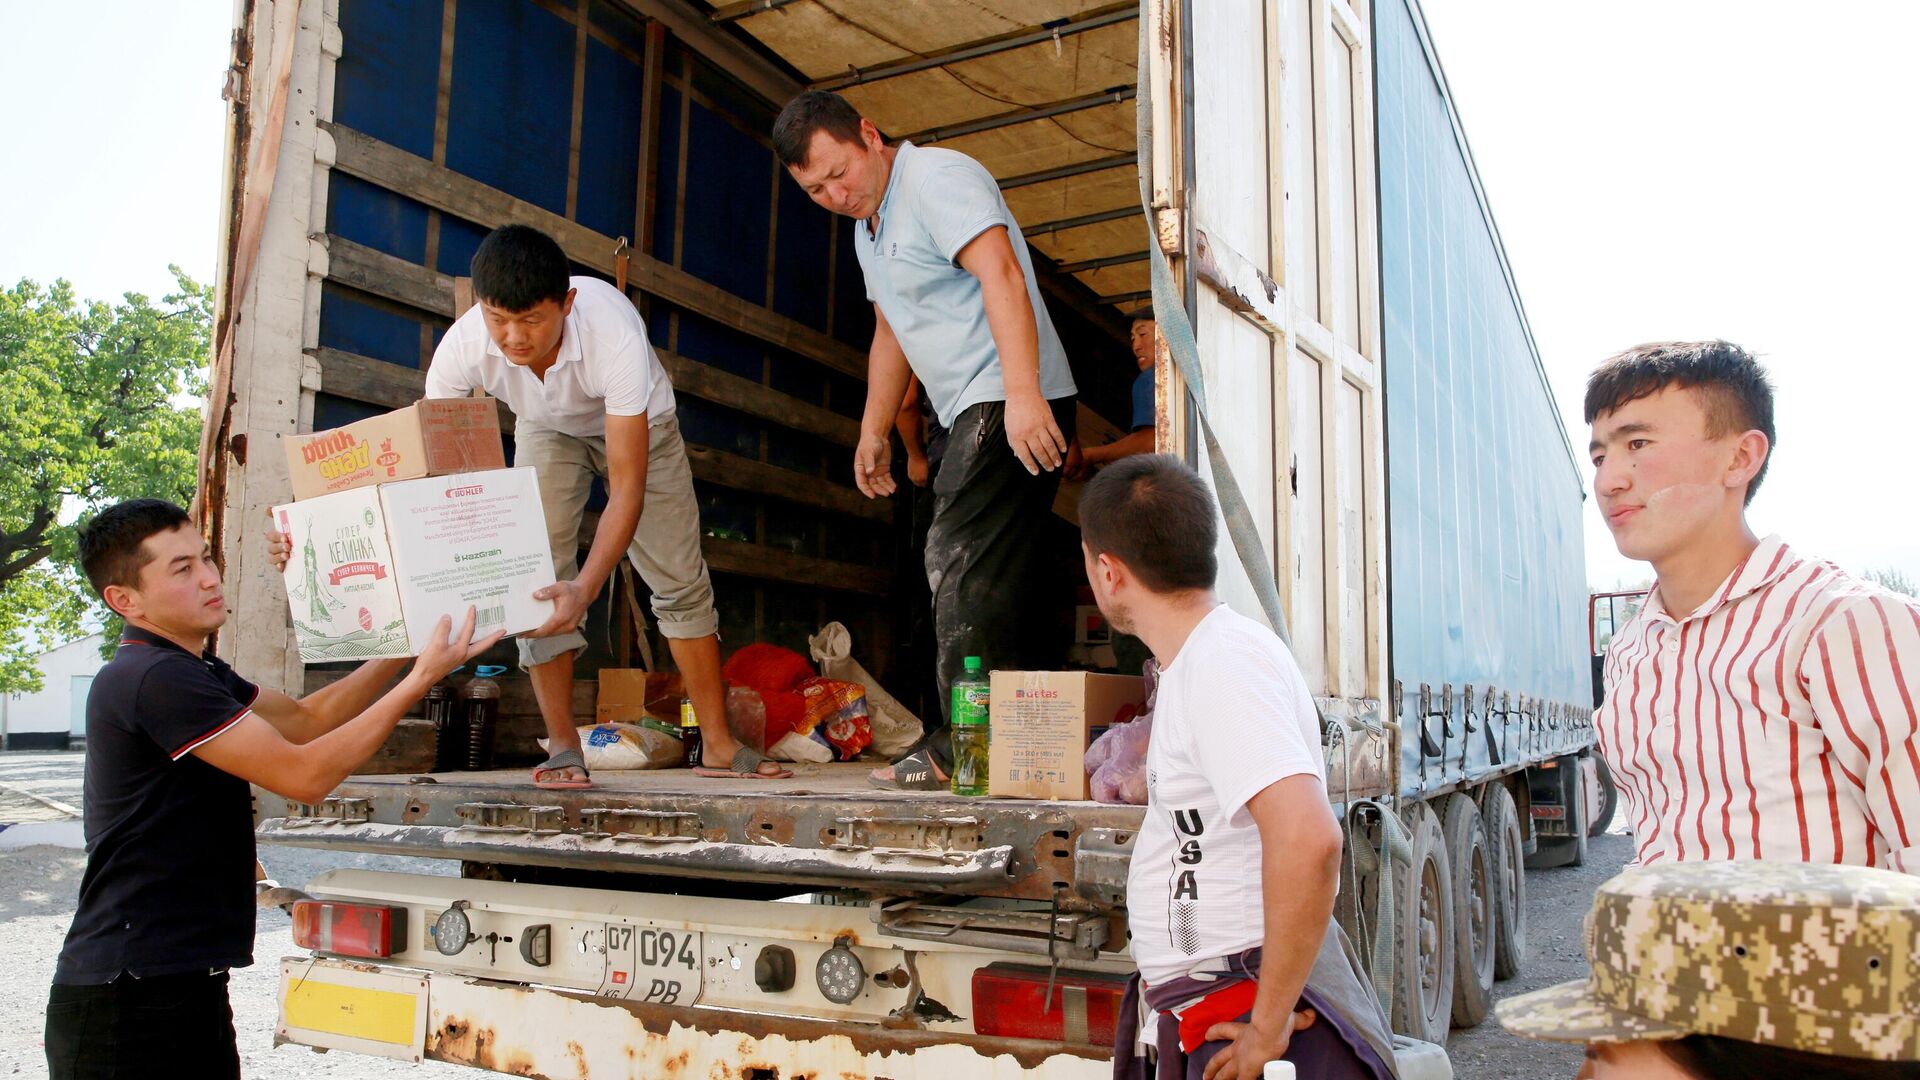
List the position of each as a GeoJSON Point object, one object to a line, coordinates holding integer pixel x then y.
{"type": "Point", "coordinates": [648, 963]}
{"type": "Point", "coordinates": [342, 1008]}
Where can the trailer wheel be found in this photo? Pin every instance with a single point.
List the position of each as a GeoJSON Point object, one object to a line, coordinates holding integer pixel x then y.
{"type": "Point", "coordinates": [1423, 934]}
{"type": "Point", "coordinates": [1502, 821]}
{"type": "Point", "coordinates": [1608, 800]}
{"type": "Point", "coordinates": [1472, 885]}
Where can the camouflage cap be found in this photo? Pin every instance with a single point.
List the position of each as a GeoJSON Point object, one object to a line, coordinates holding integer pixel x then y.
{"type": "Point", "coordinates": [1824, 959]}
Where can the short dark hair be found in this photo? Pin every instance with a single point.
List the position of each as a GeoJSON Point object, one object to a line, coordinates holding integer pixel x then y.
{"type": "Point", "coordinates": [1736, 393]}
{"type": "Point", "coordinates": [1154, 514]}
{"type": "Point", "coordinates": [1711, 1057]}
{"type": "Point", "coordinates": [811, 111]}
{"type": "Point", "coordinates": [111, 545]}
{"type": "Point", "coordinates": [518, 266]}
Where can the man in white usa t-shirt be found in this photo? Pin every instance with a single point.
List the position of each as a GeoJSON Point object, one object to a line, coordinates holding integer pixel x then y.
{"type": "Point", "coordinates": [1231, 887]}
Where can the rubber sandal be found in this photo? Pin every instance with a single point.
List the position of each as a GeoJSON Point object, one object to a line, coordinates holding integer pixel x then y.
{"type": "Point", "coordinates": [911, 773]}
{"type": "Point", "coordinates": [565, 759]}
{"type": "Point", "coordinates": [746, 763]}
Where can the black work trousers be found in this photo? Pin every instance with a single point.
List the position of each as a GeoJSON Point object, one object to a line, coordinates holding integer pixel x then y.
{"type": "Point", "coordinates": [163, 1025]}
{"type": "Point", "coordinates": [987, 556]}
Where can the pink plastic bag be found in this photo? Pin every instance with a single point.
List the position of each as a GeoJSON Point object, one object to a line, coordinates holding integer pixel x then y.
{"type": "Point", "coordinates": [1117, 760]}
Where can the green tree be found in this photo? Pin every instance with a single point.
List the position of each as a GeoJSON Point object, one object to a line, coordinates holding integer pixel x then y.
{"type": "Point", "coordinates": [91, 395]}
{"type": "Point", "coordinates": [1893, 580]}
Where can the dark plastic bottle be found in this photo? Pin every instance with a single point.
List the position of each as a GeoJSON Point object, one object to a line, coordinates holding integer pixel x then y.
{"type": "Point", "coordinates": [690, 733]}
{"type": "Point", "coordinates": [449, 721]}
{"type": "Point", "coordinates": [481, 701]}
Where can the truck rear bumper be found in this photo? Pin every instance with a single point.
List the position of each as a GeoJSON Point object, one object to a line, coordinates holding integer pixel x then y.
{"type": "Point", "coordinates": [533, 1031]}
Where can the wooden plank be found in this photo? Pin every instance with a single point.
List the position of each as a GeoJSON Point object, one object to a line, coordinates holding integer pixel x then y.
{"type": "Point", "coordinates": [773, 564]}
{"type": "Point", "coordinates": [1239, 283]}
{"type": "Point", "coordinates": [441, 188]}
{"type": "Point", "coordinates": [721, 388]}
{"type": "Point", "coordinates": [728, 53]}
{"type": "Point", "coordinates": [760, 561]}
{"type": "Point", "coordinates": [376, 382]}
{"type": "Point", "coordinates": [648, 185]}
{"type": "Point", "coordinates": [579, 109]}
{"type": "Point", "coordinates": [759, 478]}
{"type": "Point", "coordinates": [381, 274]}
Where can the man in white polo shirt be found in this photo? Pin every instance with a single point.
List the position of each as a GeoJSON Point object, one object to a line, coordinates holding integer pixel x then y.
{"type": "Point", "coordinates": [956, 302]}
{"type": "Point", "coordinates": [570, 357]}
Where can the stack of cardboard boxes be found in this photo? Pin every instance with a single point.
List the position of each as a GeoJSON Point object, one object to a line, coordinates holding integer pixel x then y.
{"type": "Point", "coordinates": [402, 518]}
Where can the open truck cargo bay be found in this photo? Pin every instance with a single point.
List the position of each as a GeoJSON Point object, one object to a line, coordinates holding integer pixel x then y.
{"type": "Point", "coordinates": [1368, 371]}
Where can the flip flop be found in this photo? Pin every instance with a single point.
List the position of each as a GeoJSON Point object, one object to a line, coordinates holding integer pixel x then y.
{"type": "Point", "coordinates": [746, 763]}
{"type": "Point", "coordinates": [914, 772]}
{"type": "Point", "coordinates": [565, 759]}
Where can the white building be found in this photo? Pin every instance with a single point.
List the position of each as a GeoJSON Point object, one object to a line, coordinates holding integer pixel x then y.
{"type": "Point", "coordinates": [55, 717]}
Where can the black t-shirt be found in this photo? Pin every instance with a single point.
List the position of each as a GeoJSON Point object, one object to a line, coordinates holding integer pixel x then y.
{"type": "Point", "coordinates": [169, 880]}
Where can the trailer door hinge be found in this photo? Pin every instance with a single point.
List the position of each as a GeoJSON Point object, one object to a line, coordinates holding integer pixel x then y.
{"type": "Point", "coordinates": [512, 817]}
{"type": "Point", "coordinates": [643, 826]}
{"type": "Point", "coordinates": [927, 838]}
{"type": "Point", "coordinates": [333, 808]}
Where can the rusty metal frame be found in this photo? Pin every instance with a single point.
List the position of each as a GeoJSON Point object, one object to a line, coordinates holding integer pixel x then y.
{"type": "Point", "coordinates": [1078, 168]}
{"type": "Point", "coordinates": [1053, 30]}
{"type": "Point", "coordinates": [746, 9]}
{"type": "Point", "coordinates": [530, 1031]}
{"type": "Point", "coordinates": [939, 846]}
{"type": "Point", "coordinates": [1096, 264]}
{"type": "Point", "coordinates": [1063, 224]}
{"type": "Point", "coordinates": [1112, 95]}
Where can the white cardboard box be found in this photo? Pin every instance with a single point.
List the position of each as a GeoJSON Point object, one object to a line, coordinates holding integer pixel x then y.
{"type": "Point", "coordinates": [373, 569]}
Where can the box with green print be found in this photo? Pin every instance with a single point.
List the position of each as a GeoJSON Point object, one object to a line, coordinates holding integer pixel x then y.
{"type": "Point", "coordinates": [374, 568]}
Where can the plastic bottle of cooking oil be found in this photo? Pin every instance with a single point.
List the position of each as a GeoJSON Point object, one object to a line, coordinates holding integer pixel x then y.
{"type": "Point", "coordinates": [970, 731]}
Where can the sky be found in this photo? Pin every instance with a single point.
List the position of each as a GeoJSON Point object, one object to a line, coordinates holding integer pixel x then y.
{"type": "Point", "coordinates": [114, 140]}
{"type": "Point", "coordinates": [1681, 169]}
{"type": "Point", "coordinates": [1742, 170]}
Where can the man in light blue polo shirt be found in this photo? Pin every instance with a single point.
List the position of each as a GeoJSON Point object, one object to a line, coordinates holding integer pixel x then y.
{"type": "Point", "coordinates": [956, 302]}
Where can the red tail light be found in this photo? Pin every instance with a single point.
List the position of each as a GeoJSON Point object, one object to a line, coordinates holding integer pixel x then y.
{"type": "Point", "coordinates": [1012, 1001]}
{"type": "Point", "coordinates": [370, 931]}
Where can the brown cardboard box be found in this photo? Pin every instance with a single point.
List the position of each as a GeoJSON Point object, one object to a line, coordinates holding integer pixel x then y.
{"type": "Point", "coordinates": [1042, 722]}
{"type": "Point", "coordinates": [629, 695]}
{"type": "Point", "coordinates": [432, 437]}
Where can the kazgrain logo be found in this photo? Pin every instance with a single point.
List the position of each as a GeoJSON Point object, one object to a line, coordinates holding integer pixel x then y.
{"type": "Point", "coordinates": [463, 492]}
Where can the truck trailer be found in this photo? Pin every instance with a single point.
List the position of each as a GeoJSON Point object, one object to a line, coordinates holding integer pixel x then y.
{"type": "Point", "coordinates": [1407, 501]}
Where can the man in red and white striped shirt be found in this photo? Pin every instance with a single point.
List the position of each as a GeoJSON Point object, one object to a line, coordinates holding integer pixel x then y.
{"type": "Point", "coordinates": [1762, 705]}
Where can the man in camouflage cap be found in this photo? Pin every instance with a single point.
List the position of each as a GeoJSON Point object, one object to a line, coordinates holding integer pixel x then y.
{"type": "Point", "coordinates": [1811, 958]}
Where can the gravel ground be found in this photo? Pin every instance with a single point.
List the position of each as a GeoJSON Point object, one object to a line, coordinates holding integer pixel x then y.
{"type": "Point", "coordinates": [37, 890]}
{"type": "Point", "coordinates": [38, 885]}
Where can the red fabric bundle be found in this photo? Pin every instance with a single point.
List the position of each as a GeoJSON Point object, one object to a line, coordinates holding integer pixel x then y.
{"type": "Point", "coordinates": [776, 674]}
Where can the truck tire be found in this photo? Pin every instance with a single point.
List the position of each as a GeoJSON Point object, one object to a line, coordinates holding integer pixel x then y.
{"type": "Point", "coordinates": [1609, 800]}
{"type": "Point", "coordinates": [1424, 967]}
{"type": "Point", "coordinates": [1502, 821]}
{"type": "Point", "coordinates": [1472, 887]}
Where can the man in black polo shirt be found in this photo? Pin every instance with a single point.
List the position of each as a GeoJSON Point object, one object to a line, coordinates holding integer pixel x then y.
{"type": "Point", "coordinates": [174, 737]}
